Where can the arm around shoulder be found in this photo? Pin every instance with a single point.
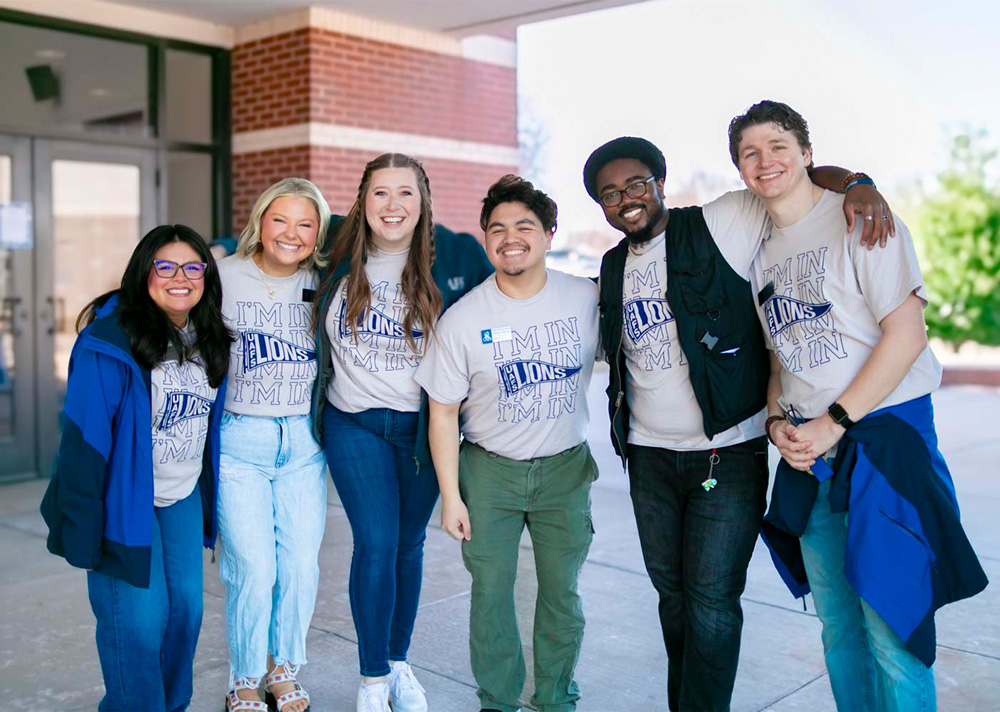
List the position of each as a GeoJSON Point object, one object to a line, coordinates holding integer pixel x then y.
{"type": "Point", "coordinates": [465, 256]}
{"type": "Point", "coordinates": [861, 197]}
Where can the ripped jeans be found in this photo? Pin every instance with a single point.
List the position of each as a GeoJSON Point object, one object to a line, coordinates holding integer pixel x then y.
{"type": "Point", "coordinates": [272, 514]}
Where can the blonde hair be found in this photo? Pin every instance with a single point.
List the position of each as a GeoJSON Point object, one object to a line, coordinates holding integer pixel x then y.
{"type": "Point", "coordinates": [287, 188]}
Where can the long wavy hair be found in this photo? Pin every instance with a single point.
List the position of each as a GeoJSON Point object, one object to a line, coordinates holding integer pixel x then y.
{"type": "Point", "coordinates": [354, 239]}
{"type": "Point", "coordinates": [150, 331]}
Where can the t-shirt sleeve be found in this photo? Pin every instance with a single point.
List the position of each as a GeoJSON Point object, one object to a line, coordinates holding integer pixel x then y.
{"type": "Point", "coordinates": [444, 369]}
{"type": "Point", "coordinates": [738, 223]}
{"type": "Point", "coordinates": [887, 276]}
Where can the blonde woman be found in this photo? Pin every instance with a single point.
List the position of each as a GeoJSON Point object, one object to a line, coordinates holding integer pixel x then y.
{"type": "Point", "coordinates": [272, 489]}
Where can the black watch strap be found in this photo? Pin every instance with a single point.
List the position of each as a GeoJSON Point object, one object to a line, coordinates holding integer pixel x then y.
{"type": "Point", "coordinates": [839, 415]}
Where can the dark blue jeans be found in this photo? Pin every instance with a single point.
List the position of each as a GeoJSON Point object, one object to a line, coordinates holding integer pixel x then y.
{"type": "Point", "coordinates": [388, 502]}
{"type": "Point", "coordinates": [696, 544]}
{"type": "Point", "coordinates": [146, 637]}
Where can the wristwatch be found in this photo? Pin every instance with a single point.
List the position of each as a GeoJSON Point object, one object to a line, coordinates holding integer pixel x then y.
{"type": "Point", "coordinates": [839, 415]}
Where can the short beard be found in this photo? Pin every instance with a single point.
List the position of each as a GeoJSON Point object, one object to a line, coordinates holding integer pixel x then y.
{"type": "Point", "coordinates": [645, 233]}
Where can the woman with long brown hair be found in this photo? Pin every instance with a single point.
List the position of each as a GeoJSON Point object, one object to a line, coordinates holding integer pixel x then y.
{"type": "Point", "coordinates": [391, 275]}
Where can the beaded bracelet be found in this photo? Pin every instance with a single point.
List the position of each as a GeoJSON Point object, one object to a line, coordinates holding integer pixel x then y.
{"type": "Point", "coordinates": [854, 179]}
{"type": "Point", "coordinates": [767, 426]}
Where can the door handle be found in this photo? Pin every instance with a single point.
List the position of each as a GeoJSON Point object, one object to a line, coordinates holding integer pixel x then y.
{"type": "Point", "coordinates": [57, 309]}
{"type": "Point", "coordinates": [8, 315]}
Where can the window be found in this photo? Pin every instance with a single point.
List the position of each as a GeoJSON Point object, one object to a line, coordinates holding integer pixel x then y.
{"type": "Point", "coordinates": [69, 82]}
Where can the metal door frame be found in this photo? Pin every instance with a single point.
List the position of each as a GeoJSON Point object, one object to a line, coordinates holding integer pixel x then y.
{"type": "Point", "coordinates": [45, 152]}
{"type": "Point", "coordinates": [18, 453]}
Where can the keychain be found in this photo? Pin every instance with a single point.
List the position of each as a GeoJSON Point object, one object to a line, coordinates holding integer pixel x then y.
{"type": "Point", "coordinates": [711, 482]}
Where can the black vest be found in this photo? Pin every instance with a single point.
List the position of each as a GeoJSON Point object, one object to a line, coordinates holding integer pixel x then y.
{"type": "Point", "coordinates": [717, 326]}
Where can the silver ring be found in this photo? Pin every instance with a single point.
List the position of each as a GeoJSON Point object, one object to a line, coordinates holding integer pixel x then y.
{"type": "Point", "coordinates": [885, 217]}
{"type": "Point", "coordinates": [869, 217]}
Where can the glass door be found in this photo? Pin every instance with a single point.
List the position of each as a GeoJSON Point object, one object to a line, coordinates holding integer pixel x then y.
{"type": "Point", "coordinates": [93, 204]}
{"type": "Point", "coordinates": [18, 436]}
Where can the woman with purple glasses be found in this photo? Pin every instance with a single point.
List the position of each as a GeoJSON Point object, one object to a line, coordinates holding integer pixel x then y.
{"type": "Point", "coordinates": [133, 496]}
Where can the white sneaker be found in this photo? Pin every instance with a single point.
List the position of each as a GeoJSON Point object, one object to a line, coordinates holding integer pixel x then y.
{"type": "Point", "coordinates": [407, 694]}
{"type": "Point", "coordinates": [373, 697]}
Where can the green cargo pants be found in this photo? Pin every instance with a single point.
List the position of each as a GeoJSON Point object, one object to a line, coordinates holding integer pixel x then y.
{"type": "Point", "coordinates": [551, 495]}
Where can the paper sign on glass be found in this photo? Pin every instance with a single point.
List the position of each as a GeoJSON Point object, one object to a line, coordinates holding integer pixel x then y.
{"type": "Point", "coordinates": [15, 226]}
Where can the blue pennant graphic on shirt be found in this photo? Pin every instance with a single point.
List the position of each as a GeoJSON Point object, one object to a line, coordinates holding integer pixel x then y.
{"type": "Point", "coordinates": [260, 349]}
{"type": "Point", "coordinates": [783, 312]}
{"type": "Point", "coordinates": [641, 315]}
{"type": "Point", "coordinates": [372, 321]}
{"type": "Point", "coordinates": [182, 405]}
{"type": "Point", "coordinates": [521, 374]}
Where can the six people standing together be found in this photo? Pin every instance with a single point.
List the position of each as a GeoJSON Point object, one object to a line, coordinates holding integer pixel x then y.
{"type": "Point", "coordinates": [409, 361]}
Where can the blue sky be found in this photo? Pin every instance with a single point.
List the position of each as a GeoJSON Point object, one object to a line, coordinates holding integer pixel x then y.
{"type": "Point", "coordinates": [882, 84]}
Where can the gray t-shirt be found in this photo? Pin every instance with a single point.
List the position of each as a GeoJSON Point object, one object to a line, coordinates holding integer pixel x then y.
{"type": "Point", "coordinates": [829, 296]}
{"type": "Point", "coordinates": [665, 412]}
{"type": "Point", "coordinates": [272, 367]}
{"type": "Point", "coordinates": [519, 367]}
{"type": "Point", "coordinates": [374, 364]}
{"type": "Point", "coordinates": [181, 402]}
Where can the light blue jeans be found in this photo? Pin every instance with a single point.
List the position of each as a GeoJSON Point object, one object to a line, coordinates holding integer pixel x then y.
{"type": "Point", "coordinates": [272, 513]}
{"type": "Point", "coordinates": [870, 668]}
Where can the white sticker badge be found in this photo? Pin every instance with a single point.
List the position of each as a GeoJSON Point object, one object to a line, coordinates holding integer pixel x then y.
{"type": "Point", "coordinates": [499, 333]}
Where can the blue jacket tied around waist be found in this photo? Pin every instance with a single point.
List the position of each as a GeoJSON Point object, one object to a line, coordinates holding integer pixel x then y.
{"type": "Point", "coordinates": [907, 554]}
{"type": "Point", "coordinates": [99, 503]}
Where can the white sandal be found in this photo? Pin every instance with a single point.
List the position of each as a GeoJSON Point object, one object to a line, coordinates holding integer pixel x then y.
{"type": "Point", "coordinates": [235, 703]}
{"type": "Point", "coordinates": [284, 673]}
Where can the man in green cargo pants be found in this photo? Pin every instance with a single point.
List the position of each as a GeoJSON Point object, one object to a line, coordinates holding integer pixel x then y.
{"type": "Point", "coordinates": [509, 367]}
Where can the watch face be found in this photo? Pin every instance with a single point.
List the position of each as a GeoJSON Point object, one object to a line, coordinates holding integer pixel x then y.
{"type": "Point", "coordinates": [838, 414]}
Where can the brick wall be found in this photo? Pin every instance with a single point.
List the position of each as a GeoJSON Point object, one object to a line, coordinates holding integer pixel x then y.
{"type": "Point", "coordinates": [457, 187]}
{"type": "Point", "coordinates": [271, 82]}
{"type": "Point", "coordinates": [325, 77]}
{"type": "Point", "coordinates": [361, 82]}
{"type": "Point", "coordinates": [253, 172]}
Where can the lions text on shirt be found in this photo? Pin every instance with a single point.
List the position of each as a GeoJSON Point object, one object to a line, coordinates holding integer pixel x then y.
{"type": "Point", "coordinates": [373, 363]}
{"type": "Point", "coordinates": [272, 367]}
{"type": "Point", "coordinates": [665, 412]}
{"type": "Point", "coordinates": [828, 295]}
{"type": "Point", "coordinates": [181, 402]}
{"type": "Point", "coordinates": [519, 367]}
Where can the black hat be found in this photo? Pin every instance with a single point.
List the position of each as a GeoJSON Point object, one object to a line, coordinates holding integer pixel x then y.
{"type": "Point", "coordinates": [623, 147]}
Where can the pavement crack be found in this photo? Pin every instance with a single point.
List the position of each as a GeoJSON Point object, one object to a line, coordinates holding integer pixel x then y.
{"type": "Point", "coordinates": [460, 594]}
{"type": "Point", "coordinates": [446, 676]}
{"type": "Point", "coordinates": [778, 699]}
{"type": "Point", "coordinates": [969, 652]}
{"type": "Point", "coordinates": [616, 567]}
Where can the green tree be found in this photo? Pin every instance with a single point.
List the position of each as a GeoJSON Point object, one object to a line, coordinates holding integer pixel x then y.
{"type": "Point", "coordinates": [960, 231]}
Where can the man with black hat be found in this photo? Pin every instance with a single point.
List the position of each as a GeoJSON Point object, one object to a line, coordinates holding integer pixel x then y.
{"type": "Point", "coordinates": [689, 374]}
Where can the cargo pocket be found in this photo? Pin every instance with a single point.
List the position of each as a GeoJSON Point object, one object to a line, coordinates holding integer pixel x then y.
{"type": "Point", "coordinates": [731, 376]}
{"type": "Point", "coordinates": [701, 287]}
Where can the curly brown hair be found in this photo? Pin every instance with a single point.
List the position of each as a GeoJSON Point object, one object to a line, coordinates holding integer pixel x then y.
{"type": "Point", "coordinates": [353, 240]}
{"type": "Point", "coordinates": [768, 112]}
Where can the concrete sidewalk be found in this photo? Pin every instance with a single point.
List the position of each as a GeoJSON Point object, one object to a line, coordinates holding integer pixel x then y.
{"type": "Point", "coordinates": [48, 660]}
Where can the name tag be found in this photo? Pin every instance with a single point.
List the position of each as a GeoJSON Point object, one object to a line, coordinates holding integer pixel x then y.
{"type": "Point", "coordinates": [499, 333]}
